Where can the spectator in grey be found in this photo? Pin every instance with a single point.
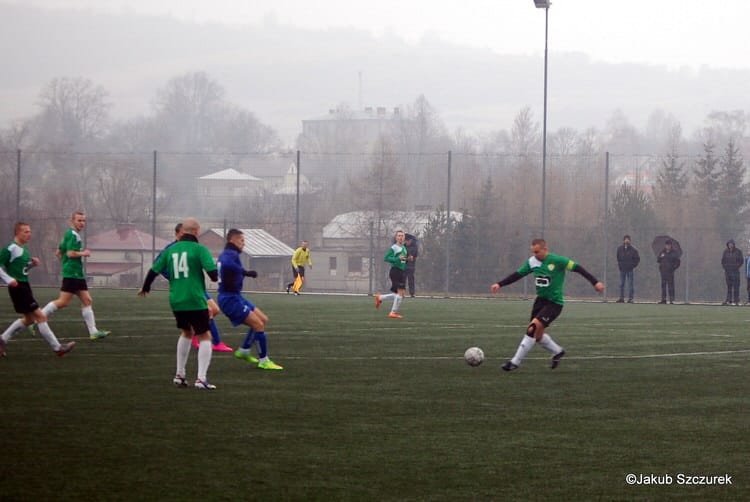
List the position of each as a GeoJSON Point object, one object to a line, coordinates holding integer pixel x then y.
{"type": "Point", "coordinates": [731, 261]}
{"type": "Point", "coordinates": [412, 248]}
{"type": "Point", "coordinates": [627, 259]}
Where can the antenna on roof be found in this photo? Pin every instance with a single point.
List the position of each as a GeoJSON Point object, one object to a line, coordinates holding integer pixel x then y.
{"type": "Point", "coordinates": [359, 97]}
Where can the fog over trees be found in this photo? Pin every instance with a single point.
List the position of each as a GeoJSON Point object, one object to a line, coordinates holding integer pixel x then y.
{"type": "Point", "coordinates": [662, 176]}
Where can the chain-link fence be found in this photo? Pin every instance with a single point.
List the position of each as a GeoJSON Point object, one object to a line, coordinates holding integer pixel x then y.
{"type": "Point", "coordinates": [475, 215]}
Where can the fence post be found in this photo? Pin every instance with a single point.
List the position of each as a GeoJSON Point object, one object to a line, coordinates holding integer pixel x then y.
{"type": "Point", "coordinates": [448, 230]}
{"type": "Point", "coordinates": [153, 213]}
{"type": "Point", "coordinates": [18, 185]}
{"type": "Point", "coordinates": [296, 218]}
{"type": "Point", "coordinates": [606, 219]}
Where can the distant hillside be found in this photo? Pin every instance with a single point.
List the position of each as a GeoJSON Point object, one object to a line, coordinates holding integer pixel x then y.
{"type": "Point", "coordinates": [285, 75]}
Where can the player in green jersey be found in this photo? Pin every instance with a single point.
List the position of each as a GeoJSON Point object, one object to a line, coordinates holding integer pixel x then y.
{"type": "Point", "coordinates": [185, 261]}
{"type": "Point", "coordinates": [71, 253]}
{"type": "Point", "coordinates": [396, 256]}
{"type": "Point", "coordinates": [15, 262]}
{"type": "Point", "coordinates": [549, 277]}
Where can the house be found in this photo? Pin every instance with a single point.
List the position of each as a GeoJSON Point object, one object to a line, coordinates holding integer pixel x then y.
{"type": "Point", "coordinates": [262, 252]}
{"type": "Point", "coordinates": [228, 184]}
{"type": "Point", "coordinates": [121, 257]}
{"type": "Point", "coordinates": [351, 240]}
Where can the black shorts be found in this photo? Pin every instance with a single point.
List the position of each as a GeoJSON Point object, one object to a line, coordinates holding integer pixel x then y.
{"type": "Point", "coordinates": [398, 279]}
{"type": "Point", "coordinates": [545, 310]}
{"type": "Point", "coordinates": [197, 320]}
{"type": "Point", "coordinates": [73, 285]}
{"type": "Point", "coordinates": [23, 299]}
{"type": "Point", "coordinates": [300, 271]}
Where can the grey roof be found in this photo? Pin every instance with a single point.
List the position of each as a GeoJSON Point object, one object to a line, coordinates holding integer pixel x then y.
{"type": "Point", "coordinates": [356, 224]}
{"type": "Point", "coordinates": [260, 244]}
{"type": "Point", "coordinates": [229, 175]}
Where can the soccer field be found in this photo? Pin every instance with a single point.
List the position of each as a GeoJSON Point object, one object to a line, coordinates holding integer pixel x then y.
{"type": "Point", "coordinates": [371, 408]}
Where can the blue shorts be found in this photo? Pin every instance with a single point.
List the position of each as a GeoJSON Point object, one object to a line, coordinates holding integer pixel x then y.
{"type": "Point", "coordinates": [235, 307]}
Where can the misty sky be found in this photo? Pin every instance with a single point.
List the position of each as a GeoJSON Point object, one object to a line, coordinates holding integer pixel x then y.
{"type": "Point", "coordinates": [683, 33]}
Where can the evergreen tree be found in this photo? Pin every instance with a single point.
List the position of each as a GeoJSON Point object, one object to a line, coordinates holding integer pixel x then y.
{"type": "Point", "coordinates": [707, 175]}
{"type": "Point", "coordinates": [733, 193]}
{"type": "Point", "coordinates": [672, 179]}
{"type": "Point", "coordinates": [631, 213]}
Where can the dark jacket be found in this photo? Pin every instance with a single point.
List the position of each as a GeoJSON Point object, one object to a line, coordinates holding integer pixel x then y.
{"type": "Point", "coordinates": [627, 258]}
{"type": "Point", "coordinates": [732, 259]}
{"type": "Point", "coordinates": [412, 249]}
{"type": "Point", "coordinates": [668, 261]}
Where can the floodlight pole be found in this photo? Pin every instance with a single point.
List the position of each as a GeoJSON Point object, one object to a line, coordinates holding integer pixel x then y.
{"type": "Point", "coordinates": [544, 4]}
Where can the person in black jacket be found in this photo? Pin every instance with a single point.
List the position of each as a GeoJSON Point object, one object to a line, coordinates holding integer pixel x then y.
{"type": "Point", "coordinates": [627, 259]}
{"type": "Point", "coordinates": [731, 261]}
{"type": "Point", "coordinates": [669, 261]}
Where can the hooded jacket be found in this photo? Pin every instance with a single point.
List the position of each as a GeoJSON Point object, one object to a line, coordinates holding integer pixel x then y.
{"type": "Point", "coordinates": [732, 258]}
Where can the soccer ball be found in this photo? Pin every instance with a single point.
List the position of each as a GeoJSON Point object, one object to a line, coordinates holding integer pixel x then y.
{"type": "Point", "coordinates": [474, 356]}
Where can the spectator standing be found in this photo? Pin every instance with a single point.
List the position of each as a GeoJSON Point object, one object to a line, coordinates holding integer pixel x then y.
{"type": "Point", "coordinates": [669, 261]}
{"type": "Point", "coordinates": [412, 250]}
{"type": "Point", "coordinates": [627, 259]}
{"type": "Point", "coordinates": [731, 262]}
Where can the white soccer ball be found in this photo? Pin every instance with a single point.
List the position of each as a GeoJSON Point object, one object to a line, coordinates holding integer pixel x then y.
{"type": "Point", "coordinates": [474, 356]}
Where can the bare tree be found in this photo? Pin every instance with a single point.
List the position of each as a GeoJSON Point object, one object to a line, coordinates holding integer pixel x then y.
{"type": "Point", "coordinates": [74, 111]}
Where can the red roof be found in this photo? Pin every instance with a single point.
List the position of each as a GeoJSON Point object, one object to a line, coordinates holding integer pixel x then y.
{"type": "Point", "coordinates": [125, 237]}
{"type": "Point", "coordinates": [109, 269]}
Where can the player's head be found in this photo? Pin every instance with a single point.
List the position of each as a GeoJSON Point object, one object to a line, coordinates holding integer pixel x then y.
{"type": "Point", "coordinates": [22, 232]}
{"type": "Point", "coordinates": [178, 230]}
{"type": "Point", "coordinates": [626, 239]}
{"type": "Point", "coordinates": [78, 220]}
{"type": "Point", "coordinates": [305, 244]}
{"type": "Point", "coordinates": [400, 236]}
{"type": "Point", "coordinates": [191, 226]}
{"type": "Point", "coordinates": [539, 249]}
{"type": "Point", "coordinates": [236, 238]}
{"type": "Point", "coordinates": [668, 243]}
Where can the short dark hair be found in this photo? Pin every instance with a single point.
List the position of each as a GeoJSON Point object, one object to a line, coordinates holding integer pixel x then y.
{"type": "Point", "coordinates": [232, 232]}
{"type": "Point", "coordinates": [178, 228]}
{"type": "Point", "coordinates": [668, 241]}
{"type": "Point", "coordinates": [626, 237]}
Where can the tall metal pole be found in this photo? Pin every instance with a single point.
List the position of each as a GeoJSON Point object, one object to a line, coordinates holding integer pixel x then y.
{"type": "Point", "coordinates": [18, 185]}
{"type": "Point", "coordinates": [296, 218]}
{"type": "Point", "coordinates": [449, 230]}
{"type": "Point", "coordinates": [606, 219]}
{"type": "Point", "coordinates": [544, 126]}
{"type": "Point", "coordinates": [153, 213]}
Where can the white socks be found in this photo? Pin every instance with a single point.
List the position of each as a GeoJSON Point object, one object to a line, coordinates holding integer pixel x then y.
{"type": "Point", "coordinates": [48, 335]}
{"type": "Point", "coordinates": [49, 309]}
{"type": "Point", "coordinates": [88, 317]}
{"type": "Point", "coordinates": [14, 328]}
{"type": "Point", "coordinates": [183, 351]}
{"type": "Point", "coordinates": [528, 343]}
{"type": "Point", "coordinates": [204, 359]}
{"type": "Point", "coordinates": [396, 304]}
{"type": "Point", "coordinates": [549, 344]}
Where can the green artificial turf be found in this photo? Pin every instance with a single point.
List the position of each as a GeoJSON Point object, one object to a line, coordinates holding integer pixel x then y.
{"type": "Point", "coordinates": [371, 408]}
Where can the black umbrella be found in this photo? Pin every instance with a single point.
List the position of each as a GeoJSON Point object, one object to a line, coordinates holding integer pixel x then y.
{"type": "Point", "coordinates": [658, 245]}
{"type": "Point", "coordinates": [408, 237]}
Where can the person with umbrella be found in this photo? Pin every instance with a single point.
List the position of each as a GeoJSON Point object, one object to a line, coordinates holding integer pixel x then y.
{"type": "Point", "coordinates": [669, 261]}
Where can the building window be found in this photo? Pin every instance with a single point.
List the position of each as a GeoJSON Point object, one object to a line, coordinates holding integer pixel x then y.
{"type": "Point", "coordinates": [332, 265]}
{"type": "Point", "coordinates": [356, 264]}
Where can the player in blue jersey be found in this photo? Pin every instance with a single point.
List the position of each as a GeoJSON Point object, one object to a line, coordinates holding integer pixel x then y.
{"type": "Point", "coordinates": [237, 308]}
{"type": "Point", "coordinates": [213, 309]}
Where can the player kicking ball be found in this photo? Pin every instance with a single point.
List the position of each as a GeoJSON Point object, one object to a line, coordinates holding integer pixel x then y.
{"type": "Point", "coordinates": [237, 308]}
{"type": "Point", "coordinates": [549, 277]}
